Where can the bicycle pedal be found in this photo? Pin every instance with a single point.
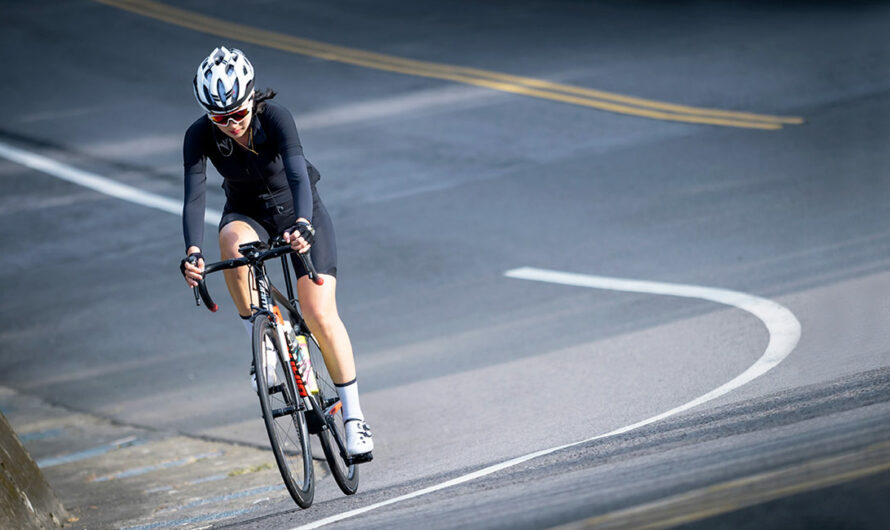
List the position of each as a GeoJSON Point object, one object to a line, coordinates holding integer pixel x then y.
{"type": "Point", "coordinates": [360, 459]}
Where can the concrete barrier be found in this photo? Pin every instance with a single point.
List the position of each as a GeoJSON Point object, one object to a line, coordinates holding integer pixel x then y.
{"type": "Point", "coordinates": [26, 500]}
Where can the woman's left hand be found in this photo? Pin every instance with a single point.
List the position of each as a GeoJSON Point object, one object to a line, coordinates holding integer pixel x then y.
{"type": "Point", "coordinates": [300, 236]}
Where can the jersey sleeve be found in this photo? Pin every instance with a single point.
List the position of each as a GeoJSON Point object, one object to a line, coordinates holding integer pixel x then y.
{"type": "Point", "coordinates": [194, 199]}
{"type": "Point", "coordinates": [291, 151]}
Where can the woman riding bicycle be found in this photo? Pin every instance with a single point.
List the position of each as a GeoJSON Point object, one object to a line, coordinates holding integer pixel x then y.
{"type": "Point", "coordinates": [270, 190]}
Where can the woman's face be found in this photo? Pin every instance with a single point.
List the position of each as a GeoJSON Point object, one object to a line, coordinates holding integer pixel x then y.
{"type": "Point", "coordinates": [235, 123]}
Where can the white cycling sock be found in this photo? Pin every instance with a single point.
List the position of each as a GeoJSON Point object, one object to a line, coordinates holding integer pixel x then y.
{"type": "Point", "coordinates": [248, 325]}
{"type": "Point", "coordinates": [348, 392]}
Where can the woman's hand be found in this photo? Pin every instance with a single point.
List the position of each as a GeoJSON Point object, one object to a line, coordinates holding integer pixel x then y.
{"type": "Point", "coordinates": [300, 236]}
{"type": "Point", "coordinates": [192, 267]}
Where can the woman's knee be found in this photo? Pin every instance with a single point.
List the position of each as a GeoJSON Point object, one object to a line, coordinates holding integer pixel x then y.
{"type": "Point", "coordinates": [231, 236]}
{"type": "Point", "coordinates": [320, 317]}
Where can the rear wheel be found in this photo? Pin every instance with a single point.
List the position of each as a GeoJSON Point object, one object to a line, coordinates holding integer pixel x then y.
{"type": "Point", "coordinates": [285, 422]}
{"type": "Point", "coordinates": [332, 443]}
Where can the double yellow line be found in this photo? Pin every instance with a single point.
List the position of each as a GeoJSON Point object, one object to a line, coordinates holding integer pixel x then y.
{"type": "Point", "coordinates": [513, 84]}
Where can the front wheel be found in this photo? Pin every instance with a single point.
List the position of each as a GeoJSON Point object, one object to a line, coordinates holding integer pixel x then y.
{"type": "Point", "coordinates": [333, 439]}
{"type": "Point", "coordinates": [284, 418]}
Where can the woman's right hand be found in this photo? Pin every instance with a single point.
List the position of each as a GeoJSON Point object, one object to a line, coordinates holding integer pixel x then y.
{"type": "Point", "coordinates": [192, 267]}
{"type": "Point", "coordinates": [300, 236]}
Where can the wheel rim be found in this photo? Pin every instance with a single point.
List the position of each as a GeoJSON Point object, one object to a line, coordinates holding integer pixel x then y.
{"type": "Point", "coordinates": [289, 432]}
{"type": "Point", "coordinates": [345, 476]}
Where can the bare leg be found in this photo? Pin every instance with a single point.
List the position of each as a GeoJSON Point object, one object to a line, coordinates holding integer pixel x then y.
{"type": "Point", "coordinates": [319, 306]}
{"type": "Point", "coordinates": [230, 237]}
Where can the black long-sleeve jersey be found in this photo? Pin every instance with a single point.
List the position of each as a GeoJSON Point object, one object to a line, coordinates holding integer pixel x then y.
{"type": "Point", "coordinates": [273, 173]}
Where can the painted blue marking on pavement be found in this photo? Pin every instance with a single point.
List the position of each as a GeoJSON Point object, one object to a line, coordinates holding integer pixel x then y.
{"type": "Point", "coordinates": [88, 453]}
{"type": "Point", "coordinates": [41, 435]}
{"type": "Point", "coordinates": [227, 497]}
{"type": "Point", "coordinates": [154, 467]}
{"type": "Point", "coordinates": [197, 519]}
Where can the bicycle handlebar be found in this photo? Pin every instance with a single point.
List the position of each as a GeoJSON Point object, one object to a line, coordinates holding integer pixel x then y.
{"type": "Point", "coordinates": [254, 257]}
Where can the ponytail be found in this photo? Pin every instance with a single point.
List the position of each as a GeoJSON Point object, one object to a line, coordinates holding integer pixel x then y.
{"type": "Point", "coordinates": [259, 99]}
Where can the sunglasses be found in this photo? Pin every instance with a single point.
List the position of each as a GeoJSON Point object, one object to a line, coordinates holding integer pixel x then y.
{"type": "Point", "coordinates": [223, 119]}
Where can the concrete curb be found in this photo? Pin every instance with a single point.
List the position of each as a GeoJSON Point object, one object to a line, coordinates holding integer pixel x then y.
{"type": "Point", "coordinates": [26, 499]}
{"type": "Point", "coordinates": [113, 475]}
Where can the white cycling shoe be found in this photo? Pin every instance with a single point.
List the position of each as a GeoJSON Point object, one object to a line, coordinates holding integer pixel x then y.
{"type": "Point", "coordinates": [358, 438]}
{"type": "Point", "coordinates": [271, 365]}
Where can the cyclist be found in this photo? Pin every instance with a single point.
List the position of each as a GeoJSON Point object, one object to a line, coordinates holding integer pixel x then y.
{"type": "Point", "coordinates": [270, 190]}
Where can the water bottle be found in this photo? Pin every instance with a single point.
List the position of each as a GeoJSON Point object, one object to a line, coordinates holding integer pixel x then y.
{"type": "Point", "coordinates": [293, 345]}
{"type": "Point", "coordinates": [304, 365]}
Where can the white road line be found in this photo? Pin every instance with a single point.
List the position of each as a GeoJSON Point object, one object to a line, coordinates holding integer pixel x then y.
{"type": "Point", "coordinates": [780, 322]}
{"type": "Point", "coordinates": [99, 183]}
{"type": "Point", "coordinates": [783, 326]}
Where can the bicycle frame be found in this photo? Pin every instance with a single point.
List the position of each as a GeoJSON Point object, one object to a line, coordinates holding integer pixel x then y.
{"type": "Point", "coordinates": [255, 255]}
{"type": "Point", "coordinates": [315, 416]}
{"type": "Point", "coordinates": [267, 296]}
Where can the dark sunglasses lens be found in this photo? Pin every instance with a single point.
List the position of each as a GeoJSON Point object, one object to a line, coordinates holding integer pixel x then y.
{"type": "Point", "coordinates": [224, 118]}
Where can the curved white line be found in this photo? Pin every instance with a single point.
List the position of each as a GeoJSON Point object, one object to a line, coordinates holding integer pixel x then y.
{"type": "Point", "coordinates": [782, 325]}
{"type": "Point", "coordinates": [780, 322]}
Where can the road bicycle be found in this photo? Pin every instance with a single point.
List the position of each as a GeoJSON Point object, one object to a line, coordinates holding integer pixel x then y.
{"type": "Point", "coordinates": [303, 399]}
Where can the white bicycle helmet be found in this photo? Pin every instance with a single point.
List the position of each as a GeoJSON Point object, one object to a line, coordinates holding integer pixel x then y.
{"type": "Point", "coordinates": [224, 80]}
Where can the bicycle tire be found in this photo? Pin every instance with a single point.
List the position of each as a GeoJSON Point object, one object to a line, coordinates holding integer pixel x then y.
{"type": "Point", "coordinates": [288, 433]}
{"type": "Point", "coordinates": [345, 475]}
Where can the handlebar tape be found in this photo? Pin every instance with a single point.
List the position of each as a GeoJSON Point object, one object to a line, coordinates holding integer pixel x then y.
{"type": "Point", "coordinates": [313, 274]}
{"type": "Point", "coordinates": [205, 295]}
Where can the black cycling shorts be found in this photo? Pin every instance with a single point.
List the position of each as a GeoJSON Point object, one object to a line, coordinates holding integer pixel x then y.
{"type": "Point", "coordinates": [269, 223]}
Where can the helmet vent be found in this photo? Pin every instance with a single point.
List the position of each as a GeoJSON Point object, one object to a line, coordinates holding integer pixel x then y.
{"type": "Point", "coordinates": [224, 80]}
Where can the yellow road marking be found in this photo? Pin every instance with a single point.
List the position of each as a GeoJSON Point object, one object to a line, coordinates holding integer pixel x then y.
{"type": "Point", "coordinates": [526, 86]}
{"type": "Point", "coordinates": [748, 491]}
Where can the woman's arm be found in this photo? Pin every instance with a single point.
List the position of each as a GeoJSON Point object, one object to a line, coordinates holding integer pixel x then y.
{"type": "Point", "coordinates": [291, 151]}
{"type": "Point", "coordinates": [195, 166]}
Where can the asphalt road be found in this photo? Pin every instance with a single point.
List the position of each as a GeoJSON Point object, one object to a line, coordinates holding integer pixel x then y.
{"type": "Point", "coordinates": [438, 187]}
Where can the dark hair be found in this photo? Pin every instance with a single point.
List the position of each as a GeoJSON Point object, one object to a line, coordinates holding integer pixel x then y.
{"type": "Point", "coordinates": [259, 99]}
